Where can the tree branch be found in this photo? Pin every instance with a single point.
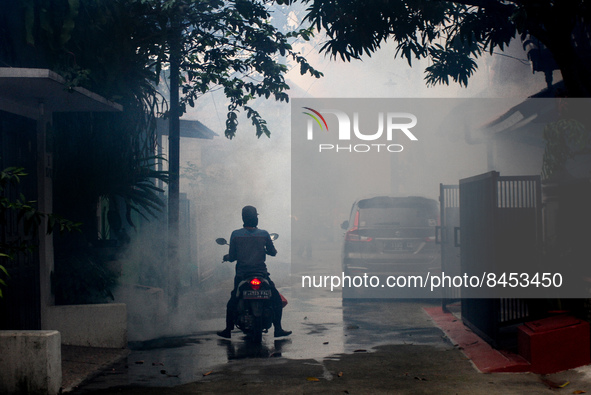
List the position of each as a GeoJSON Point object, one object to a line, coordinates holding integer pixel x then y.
{"type": "Point", "coordinates": [487, 4]}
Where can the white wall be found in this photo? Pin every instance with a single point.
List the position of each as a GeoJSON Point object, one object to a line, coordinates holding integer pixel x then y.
{"type": "Point", "coordinates": [30, 362]}
{"type": "Point", "coordinates": [90, 325]}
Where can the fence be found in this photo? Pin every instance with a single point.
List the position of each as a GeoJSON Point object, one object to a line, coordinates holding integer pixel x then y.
{"type": "Point", "coordinates": [449, 199]}
{"type": "Point", "coordinates": [500, 232]}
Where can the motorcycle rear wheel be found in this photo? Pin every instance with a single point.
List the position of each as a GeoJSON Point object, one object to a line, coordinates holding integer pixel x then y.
{"type": "Point", "coordinates": [257, 330]}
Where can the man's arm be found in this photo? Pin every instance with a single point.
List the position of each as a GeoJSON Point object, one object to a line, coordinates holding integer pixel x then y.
{"type": "Point", "coordinates": [231, 257]}
{"type": "Point", "coordinates": [270, 247]}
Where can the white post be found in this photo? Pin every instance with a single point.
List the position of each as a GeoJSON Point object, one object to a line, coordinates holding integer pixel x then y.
{"type": "Point", "coordinates": [45, 205]}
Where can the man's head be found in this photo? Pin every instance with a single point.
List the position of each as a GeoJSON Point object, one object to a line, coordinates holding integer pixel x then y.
{"type": "Point", "coordinates": [250, 216]}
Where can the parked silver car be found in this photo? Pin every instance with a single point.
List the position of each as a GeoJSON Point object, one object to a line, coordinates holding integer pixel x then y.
{"type": "Point", "coordinates": [390, 236]}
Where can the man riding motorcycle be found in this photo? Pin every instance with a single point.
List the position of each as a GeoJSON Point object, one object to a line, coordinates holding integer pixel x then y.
{"type": "Point", "coordinates": [249, 247]}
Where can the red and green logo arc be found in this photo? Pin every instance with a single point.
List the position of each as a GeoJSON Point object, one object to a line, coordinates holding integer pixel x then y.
{"type": "Point", "coordinates": [317, 117]}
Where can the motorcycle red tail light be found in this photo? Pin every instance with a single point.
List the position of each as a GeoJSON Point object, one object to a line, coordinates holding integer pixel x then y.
{"type": "Point", "coordinates": [255, 283]}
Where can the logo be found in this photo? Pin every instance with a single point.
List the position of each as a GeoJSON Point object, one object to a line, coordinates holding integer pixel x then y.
{"type": "Point", "coordinates": [316, 119]}
{"type": "Point", "coordinates": [391, 125]}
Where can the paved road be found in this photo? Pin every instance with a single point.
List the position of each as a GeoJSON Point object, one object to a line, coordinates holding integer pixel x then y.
{"type": "Point", "coordinates": [367, 346]}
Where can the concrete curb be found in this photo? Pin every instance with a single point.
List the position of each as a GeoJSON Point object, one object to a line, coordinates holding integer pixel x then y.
{"type": "Point", "coordinates": [485, 358]}
{"type": "Point", "coordinates": [81, 364]}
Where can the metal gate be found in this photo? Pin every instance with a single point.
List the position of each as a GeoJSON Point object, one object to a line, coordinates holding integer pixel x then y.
{"type": "Point", "coordinates": [449, 200]}
{"type": "Point", "coordinates": [501, 231]}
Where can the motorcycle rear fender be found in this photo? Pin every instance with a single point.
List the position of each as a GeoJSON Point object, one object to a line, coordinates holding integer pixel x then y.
{"type": "Point", "coordinates": [263, 279]}
{"type": "Point", "coordinates": [256, 307]}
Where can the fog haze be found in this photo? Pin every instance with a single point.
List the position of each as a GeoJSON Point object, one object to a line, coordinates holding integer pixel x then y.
{"type": "Point", "coordinates": [220, 176]}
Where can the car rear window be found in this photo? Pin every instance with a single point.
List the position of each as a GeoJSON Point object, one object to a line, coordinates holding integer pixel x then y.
{"type": "Point", "coordinates": [387, 211]}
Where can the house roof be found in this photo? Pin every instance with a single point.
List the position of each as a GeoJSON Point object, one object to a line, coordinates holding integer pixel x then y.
{"type": "Point", "coordinates": [22, 90]}
{"type": "Point", "coordinates": [525, 121]}
{"type": "Point", "coordinates": [188, 128]}
{"type": "Point", "coordinates": [538, 109]}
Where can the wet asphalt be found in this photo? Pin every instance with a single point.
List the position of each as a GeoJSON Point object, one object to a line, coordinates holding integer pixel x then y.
{"type": "Point", "coordinates": [323, 326]}
{"type": "Point", "coordinates": [361, 346]}
{"type": "Point", "coordinates": [321, 329]}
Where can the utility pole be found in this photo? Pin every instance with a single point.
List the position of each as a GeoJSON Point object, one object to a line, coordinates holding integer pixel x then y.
{"type": "Point", "coordinates": [174, 159]}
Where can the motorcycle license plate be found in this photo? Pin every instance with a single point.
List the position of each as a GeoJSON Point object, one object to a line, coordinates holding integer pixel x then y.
{"type": "Point", "coordinates": [256, 294]}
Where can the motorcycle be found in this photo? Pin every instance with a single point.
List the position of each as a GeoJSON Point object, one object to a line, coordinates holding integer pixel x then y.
{"type": "Point", "coordinates": [254, 312]}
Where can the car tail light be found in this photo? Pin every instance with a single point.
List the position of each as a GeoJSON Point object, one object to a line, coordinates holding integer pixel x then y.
{"type": "Point", "coordinates": [255, 283]}
{"type": "Point", "coordinates": [430, 239]}
{"type": "Point", "coordinates": [352, 234]}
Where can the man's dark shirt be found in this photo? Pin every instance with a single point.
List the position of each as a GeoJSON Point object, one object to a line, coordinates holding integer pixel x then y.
{"type": "Point", "coordinates": [249, 247]}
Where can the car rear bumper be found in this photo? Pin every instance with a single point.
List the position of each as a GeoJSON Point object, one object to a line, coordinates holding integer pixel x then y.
{"type": "Point", "coordinates": [370, 258]}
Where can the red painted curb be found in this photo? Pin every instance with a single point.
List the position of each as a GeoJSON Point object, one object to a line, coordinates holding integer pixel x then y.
{"type": "Point", "coordinates": [483, 356]}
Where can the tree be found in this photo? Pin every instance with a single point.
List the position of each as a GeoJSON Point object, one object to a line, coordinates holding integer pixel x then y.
{"type": "Point", "coordinates": [232, 45]}
{"type": "Point", "coordinates": [119, 50]}
{"type": "Point", "coordinates": [105, 47]}
{"type": "Point", "coordinates": [453, 34]}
